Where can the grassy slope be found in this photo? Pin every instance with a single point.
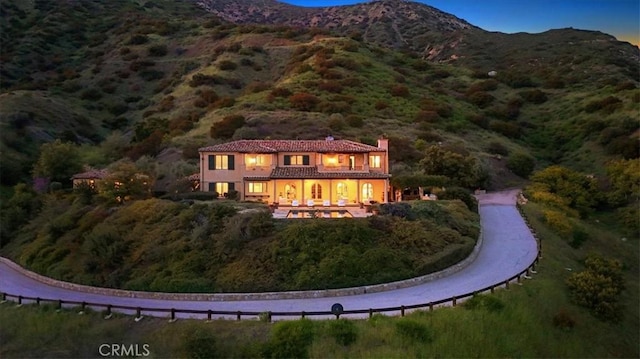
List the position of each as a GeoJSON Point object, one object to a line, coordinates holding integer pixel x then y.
{"type": "Point", "coordinates": [522, 328]}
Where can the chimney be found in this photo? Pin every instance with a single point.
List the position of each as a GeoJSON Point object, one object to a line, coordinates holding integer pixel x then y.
{"type": "Point", "coordinates": [329, 138]}
{"type": "Point", "coordinates": [383, 143]}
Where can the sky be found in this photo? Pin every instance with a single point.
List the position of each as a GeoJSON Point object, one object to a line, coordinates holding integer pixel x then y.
{"type": "Point", "coordinates": [620, 18]}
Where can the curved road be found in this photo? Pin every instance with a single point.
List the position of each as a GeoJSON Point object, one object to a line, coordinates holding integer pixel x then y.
{"type": "Point", "coordinates": [508, 248]}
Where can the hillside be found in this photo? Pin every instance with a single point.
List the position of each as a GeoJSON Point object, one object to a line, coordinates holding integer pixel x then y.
{"type": "Point", "coordinates": [156, 75]}
{"type": "Point", "coordinates": [151, 81]}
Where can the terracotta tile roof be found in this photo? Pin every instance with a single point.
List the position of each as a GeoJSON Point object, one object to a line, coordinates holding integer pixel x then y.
{"type": "Point", "coordinates": [256, 178]}
{"type": "Point", "coordinates": [274, 146]}
{"type": "Point", "coordinates": [312, 172]}
{"type": "Point", "coordinates": [91, 174]}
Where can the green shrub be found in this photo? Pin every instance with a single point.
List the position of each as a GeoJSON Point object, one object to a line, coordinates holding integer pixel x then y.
{"type": "Point", "coordinates": [579, 236]}
{"type": "Point", "coordinates": [157, 50]}
{"type": "Point", "coordinates": [486, 302]}
{"type": "Point", "coordinates": [413, 331]}
{"type": "Point", "coordinates": [303, 101]}
{"type": "Point", "coordinates": [534, 96]}
{"type": "Point", "coordinates": [598, 287]}
{"type": "Point", "coordinates": [290, 339]}
{"type": "Point", "coordinates": [558, 222]}
{"type": "Point", "coordinates": [607, 105]}
{"type": "Point", "coordinates": [200, 344]}
{"type": "Point", "coordinates": [202, 79]}
{"type": "Point", "coordinates": [497, 148]}
{"type": "Point", "coordinates": [354, 121]}
{"type": "Point", "coordinates": [480, 99]}
{"type": "Point", "coordinates": [399, 91]}
{"type": "Point", "coordinates": [522, 164]}
{"type": "Point", "coordinates": [343, 331]}
{"type": "Point", "coordinates": [151, 75]}
{"type": "Point", "coordinates": [397, 209]}
{"type": "Point", "coordinates": [138, 39]}
{"type": "Point", "coordinates": [226, 127]}
{"type": "Point", "coordinates": [227, 65]}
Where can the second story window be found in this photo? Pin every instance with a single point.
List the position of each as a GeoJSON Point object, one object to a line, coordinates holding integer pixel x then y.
{"type": "Point", "coordinates": [296, 160]}
{"type": "Point", "coordinates": [256, 160]}
{"type": "Point", "coordinates": [374, 161]}
{"type": "Point", "coordinates": [221, 162]}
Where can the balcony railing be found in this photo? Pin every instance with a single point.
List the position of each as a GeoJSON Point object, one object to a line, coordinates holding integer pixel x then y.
{"type": "Point", "coordinates": [258, 168]}
{"type": "Point", "coordinates": [323, 168]}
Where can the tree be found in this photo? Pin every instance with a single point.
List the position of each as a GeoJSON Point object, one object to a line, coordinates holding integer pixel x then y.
{"type": "Point", "coordinates": [460, 169]}
{"type": "Point", "coordinates": [598, 287]}
{"type": "Point", "coordinates": [58, 161]}
{"type": "Point", "coordinates": [17, 211]}
{"type": "Point", "coordinates": [521, 164]}
{"type": "Point", "coordinates": [567, 188]}
{"type": "Point", "coordinates": [624, 176]}
{"type": "Point", "coordinates": [125, 182]}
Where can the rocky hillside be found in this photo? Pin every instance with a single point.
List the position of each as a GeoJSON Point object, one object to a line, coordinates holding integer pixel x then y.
{"type": "Point", "coordinates": [390, 23]}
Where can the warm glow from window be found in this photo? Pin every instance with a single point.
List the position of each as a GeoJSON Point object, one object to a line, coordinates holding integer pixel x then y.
{"type": "Point", "coordinates": [222, 188]}
{"type": "Point", "coordinates": [222, 163]}
{"type": "Point", "coordinates": [367, 191]}
{"type": "Point", "coordinates": [255, 160]}
{"type": "Point", "coordinates": [374, 162]}
{"type": "Point", "coordinates": [256, 187]}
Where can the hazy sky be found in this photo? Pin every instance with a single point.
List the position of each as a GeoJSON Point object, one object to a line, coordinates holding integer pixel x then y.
{"type": "Point", "coordinates": [620, 18]}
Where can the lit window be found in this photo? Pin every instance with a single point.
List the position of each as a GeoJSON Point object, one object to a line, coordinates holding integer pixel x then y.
{"type": "Point", "coordinates": [367, 190]}
{"type": "Point", "coordinates": [256, 187]}
{"type": "Point", "coordinates": [374, 161]}
{"type": "Point", "coordinates": [222, 188]}
{"type": "Point", "coordinates": [222, 163]}
{"type": "Point", "coordinates": [257, 160]}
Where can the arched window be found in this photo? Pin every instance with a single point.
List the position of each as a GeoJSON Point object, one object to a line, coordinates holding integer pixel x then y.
{"type": "Point", "coordinates": [342, 190]}
{"type": "Point", "coordinates": [367, 190]}
{"type": "Point", "coordinates": [316, 191]}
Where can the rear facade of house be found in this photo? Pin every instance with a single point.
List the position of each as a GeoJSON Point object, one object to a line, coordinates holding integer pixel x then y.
{"type": "Point", "coordinates": [288, 172]}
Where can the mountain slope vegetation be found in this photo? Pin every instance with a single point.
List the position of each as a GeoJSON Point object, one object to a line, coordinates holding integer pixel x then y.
{"type": "Point", "coordinates": [161, 74]}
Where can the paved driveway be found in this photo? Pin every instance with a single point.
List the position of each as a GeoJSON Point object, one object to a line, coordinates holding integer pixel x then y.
{"type": "Point", "coordinates": [508, 249]}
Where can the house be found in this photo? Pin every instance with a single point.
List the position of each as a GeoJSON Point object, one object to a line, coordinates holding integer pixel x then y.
{"type": "Point", "coordinates": [89, 177]}
{"type": "Point", "coordinates": [325, 172]}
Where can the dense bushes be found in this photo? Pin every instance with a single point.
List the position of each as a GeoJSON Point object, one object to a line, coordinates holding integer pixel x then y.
{"type": "Point", "coordinates": [598, 287]}
{"type": "Point", "coordinates": [303, 101]}
{"type": "Point", "coordinates": [161, 245]}
{"type": "Point", "coordinates": [290, 339]}
{"type": "Point", "coordinates": [226, 127]}
{"type": "Point", "coordinates": [521, 164]}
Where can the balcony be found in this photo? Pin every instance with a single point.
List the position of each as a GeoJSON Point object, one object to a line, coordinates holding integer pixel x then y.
{"type": "Point", "coordinates": [323, 168]}
{"type": "Point", "coordinates": [253, 168]}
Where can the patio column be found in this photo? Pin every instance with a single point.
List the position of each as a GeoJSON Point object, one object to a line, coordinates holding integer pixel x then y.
{"type": "Point", "coordinates": [386, 190]}
{"type": "Point", "coordinates": [330, 192]}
